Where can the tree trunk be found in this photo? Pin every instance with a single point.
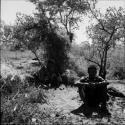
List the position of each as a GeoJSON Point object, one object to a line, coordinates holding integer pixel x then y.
{"type": "Point", "coordinates": [102, 63]}
{"type": "Point", "coordinates": [124, 56]}
{"type": "Point", "coordinates": [105, 62]}
{"type": "Point", "coordinates": [102, 71]}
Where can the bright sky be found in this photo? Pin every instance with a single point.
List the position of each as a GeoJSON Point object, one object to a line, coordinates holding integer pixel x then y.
{"type": "Point", "coordinates": [102, 5]}
{"type": "Point", "coordinates": [9, 8]}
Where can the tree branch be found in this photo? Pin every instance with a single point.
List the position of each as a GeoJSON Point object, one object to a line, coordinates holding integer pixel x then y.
{"type": "Point", "coordinates": [112, 33]}
{"type": "Point", "coordinates": [92, 61]}
{"type": "Point", "coordinates": [103, 28]}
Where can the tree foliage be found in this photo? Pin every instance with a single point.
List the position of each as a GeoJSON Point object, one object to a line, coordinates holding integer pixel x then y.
{"type": "Point", "coordinates": [115, 62]}
{"type": "Point", "coordinates": [105, 34]}
{"type": "Point", "coordinates": [63, 13]}
{"type": "Point", "coordinates": [6, 33]}
{"type": "Point", "coordinates": [44, 27]}
{"type": "Point", "coordinates": [37, 32]}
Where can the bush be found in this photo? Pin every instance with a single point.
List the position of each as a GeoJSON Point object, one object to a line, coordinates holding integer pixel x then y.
{"type": "Point", "coordinates": [119, 73]}
{"type": "Point", "coordinates": [19, 106]}
{"type": "Point", "coordinates": [115, 63]}
{"type": "Point", "coordinates": [116, 73]}
{"type": "Point", "coordinates": [6, 87]}
{"type": "Point", "coordinates": [69, 77]}
{"type": "Point", "coordinates": [77, 67]}
{"type": "Point", "coordinates": [10, 84]}
{"type": "Point", "coordinates": [56, 49]}
{"type": "Point", "coordinates": [37, 96]}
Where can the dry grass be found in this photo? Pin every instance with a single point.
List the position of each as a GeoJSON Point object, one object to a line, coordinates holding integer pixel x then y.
{"type": "Point", "coordinates": [31, 105]}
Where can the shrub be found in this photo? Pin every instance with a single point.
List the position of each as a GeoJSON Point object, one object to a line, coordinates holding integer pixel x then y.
{"type": "Point", "coordinates": [6, 87]}
{"type": "Point", "coordinates": [37, 96]}
{"type": "Point", "coordinates": [10, 84]}
{"type": "Point", "coordinates": [119, 72]}
{"type": "Point", "coordinates": [115, 63]}
{"type": "Point", "coordinates": [69, 77]}
{"type": "Point", "coordinates": [77, 66]}
{"type": "Point", "coordinates": [56, 49]}
{"type": "Point", "coordinates": [20, 106]}
{"type": "Point", "coordinates": [116, 73]}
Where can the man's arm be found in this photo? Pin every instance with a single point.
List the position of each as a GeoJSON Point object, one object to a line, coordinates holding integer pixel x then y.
{"type": "Point", "coordinates": [82, 81]}
{"type": "Point", "coordinates": [102, 81]}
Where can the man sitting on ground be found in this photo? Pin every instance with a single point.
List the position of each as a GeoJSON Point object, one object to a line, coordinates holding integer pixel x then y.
{"type": "Point", "coordinates": [93, 92]}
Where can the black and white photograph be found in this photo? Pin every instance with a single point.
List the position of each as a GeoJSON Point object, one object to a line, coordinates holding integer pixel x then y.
{"type": "Point", "coordinates": [62, 62]}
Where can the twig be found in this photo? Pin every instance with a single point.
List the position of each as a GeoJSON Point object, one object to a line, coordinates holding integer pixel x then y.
{"type": "Point", "coordinates": [2, 85]}
{"type": "Point", "coordinates": [15, 95]}
{"type": "Point", "coordinates": [92, 61]}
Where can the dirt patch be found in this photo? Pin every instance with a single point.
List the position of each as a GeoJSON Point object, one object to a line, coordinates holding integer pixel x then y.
{"type": "Point", "coordinates": [64, 100]}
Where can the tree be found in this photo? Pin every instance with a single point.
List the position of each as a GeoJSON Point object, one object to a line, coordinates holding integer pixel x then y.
{"type": "Point", "coordinates": [35, 32]}
{"type": "Point", "coordinates": [26, 31]}
{"type": "Point", "coordinates": [6, 33]}
{"type": "Point", "coordinates": [104, 35]}
{"type": "Point", "coordinates": [121, 34]}
{"type": "Point", "coordinates": [63, 13]}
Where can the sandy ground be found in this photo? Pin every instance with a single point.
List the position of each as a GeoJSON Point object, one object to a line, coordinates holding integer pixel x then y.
{"type": "Point", "coordinates": [63, 100]}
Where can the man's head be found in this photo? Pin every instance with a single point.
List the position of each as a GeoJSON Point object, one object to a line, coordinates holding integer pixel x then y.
{"type": "Point", "coordinates": [92, 71]}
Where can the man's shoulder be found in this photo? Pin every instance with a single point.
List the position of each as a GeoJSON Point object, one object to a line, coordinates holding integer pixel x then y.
{"type": "Point", "coordinates": [99, 78]}
{"type": "Point", "coordinates": [87, 79]}
{"type": "Point", "coordinates": [84, 79]}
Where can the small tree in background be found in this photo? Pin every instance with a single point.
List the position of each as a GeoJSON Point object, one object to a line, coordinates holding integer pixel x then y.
{"type": "Point", "coordinates": [6, 34]}
{"type": "Point", "coordinates": [104, 35]}
{"type": "Point", "coordinates": [115, 62]}
{"type": "Point", "coordinates": [35, 32]}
